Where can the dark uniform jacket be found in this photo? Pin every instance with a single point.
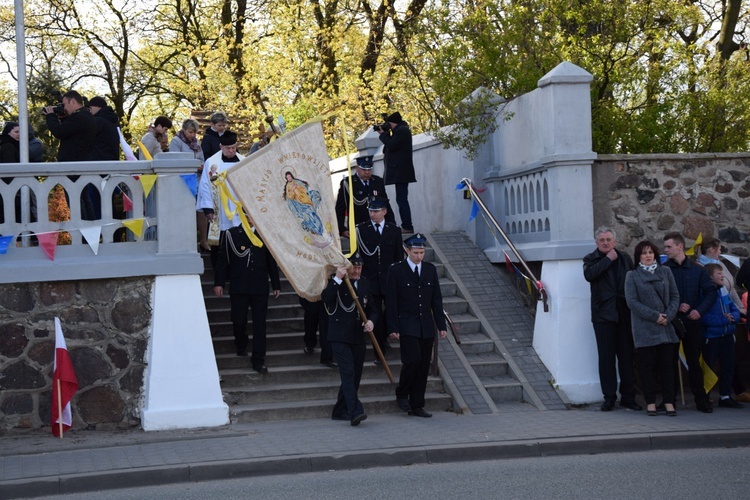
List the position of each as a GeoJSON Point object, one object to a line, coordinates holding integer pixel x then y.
{"type": "Point", "coordinates": [397, 155]}
{"type": "Point", "coordinates": [107, 143]}
{"type": "Point", "coordinates": [362, 193]}
{"type": "Point", "coordinates": [344, 322]}
{"type": "Point", "coordinates": [607, 279]}
{"type": "Point", "coordinates": [248, 267]}
{"type": "Point", "coordinates": [414, 306]}
{"type": "Point", "coordinates": [695, 287]}
{"type": "Point", "coordinates": [77, 134]}
{"type": "Point", "coordinates": [378, 252]}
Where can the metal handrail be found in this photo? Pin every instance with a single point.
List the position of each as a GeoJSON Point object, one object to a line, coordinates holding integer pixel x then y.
{"type": "Point", "coordinates": [541, 291]}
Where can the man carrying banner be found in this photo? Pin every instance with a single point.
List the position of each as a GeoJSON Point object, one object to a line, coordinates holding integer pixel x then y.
{"type": "Point", "coordinates": [364, 186]}
{"type": "Point", "coordinates": [380, 244]}
{"type": "Point", "coordinates": [346, 333]}
{"type": "Point", "coordinates": [248, 268]}
{"type": "Point", "coordinates": [215, 165]}
{"type": "Point", "coordinates": [414, 307]}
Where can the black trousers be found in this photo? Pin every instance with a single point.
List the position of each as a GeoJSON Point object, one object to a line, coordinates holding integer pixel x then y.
{"type": "Point", "coordinates": [614, 344]}
{"type": "Point", "coordinates": [657, 360]}
{"type": "Point", "coordinates": [720, 351]}
{"type": "Point", "coordinates": [692, 345]}
{"type": "Point", "coordinates": [416, 354]}
{"type": "Point", "coordinates": [316, 320]}
{"type": "Point", "coordinates": [379, 328]}
{"type": "Point", "coordinates": [351, 359]}
{"type": "Point", "coordinates": [259, 305]}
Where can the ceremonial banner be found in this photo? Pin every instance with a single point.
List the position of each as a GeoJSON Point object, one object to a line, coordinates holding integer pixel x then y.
{"type": "Point", "coordinates": [286, 191]}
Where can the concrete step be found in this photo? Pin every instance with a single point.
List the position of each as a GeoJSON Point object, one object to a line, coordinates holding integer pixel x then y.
{"type": "Point", "coordinates": [286, 299]}
{"type": "Point", "coordinates": [488, 364]}
{"type": "Point", "coordinates": [298, 410]}
{"type": "Point", "coordinates": [246, 377]}
{"type": "Point", "coordinates": [476, 343]}
{"type": "Point", "coordinates": [503, 389]}
{"type": "Point", "coordinates": [207, 285]}
{"type": "Point", "coordinates": [291, 357]}
{"type": "Point", "coordinates": [221, 314]}
{"type": "Point", "coordinates": [323, 390]}
{"type": "Point", "coordinates": [273, 326]}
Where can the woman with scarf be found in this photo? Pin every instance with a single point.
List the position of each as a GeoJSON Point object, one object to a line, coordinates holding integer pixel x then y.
{"type": "Point", "coordinates": [653, 299]}
{"type": "Point", "coordinates": [186, 141]}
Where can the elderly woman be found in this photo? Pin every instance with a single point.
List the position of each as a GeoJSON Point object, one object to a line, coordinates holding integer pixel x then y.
{"type": "Point", "coordinates": [186, 141]}
{"type": "Point", "coordinates": [653, 299]}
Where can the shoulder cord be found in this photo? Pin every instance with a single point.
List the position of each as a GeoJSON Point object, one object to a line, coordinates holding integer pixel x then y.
{"type": "Point", "coordinates": [356, 201]}
{"type": "Point", "coordinates": [339, 303]}
{"type": "Point", "coordinates": [230, 244]}
{"type": "Point", "coordinates": [364, 249]}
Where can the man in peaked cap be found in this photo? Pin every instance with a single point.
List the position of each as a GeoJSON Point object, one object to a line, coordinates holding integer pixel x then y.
{"type": "Point", "coordinates": [364, 185]}
{"type": "Point", "coordinates": [399, 165]}
{"type": "Point", "coordinates": [414, 306]}
{"type": "Point", "coordinates": [346, 333]}
{"type": "Point", "coordinates": [380, 245]}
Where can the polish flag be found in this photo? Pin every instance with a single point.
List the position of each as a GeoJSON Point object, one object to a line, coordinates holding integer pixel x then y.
{"type": "Point", "coordinates": [64, 385]}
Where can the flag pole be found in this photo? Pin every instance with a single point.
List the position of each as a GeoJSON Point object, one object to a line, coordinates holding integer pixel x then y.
{"type": "Point", "coordinates": [375, 344]}
{"type": "Point", "coordinates": [59, 408]}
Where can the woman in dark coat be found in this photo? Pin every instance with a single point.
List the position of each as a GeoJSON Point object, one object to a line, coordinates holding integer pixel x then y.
{"type": "Point", "coordinates": [10, 151]}
{"type": "Point", "coordinates": [651, 294]}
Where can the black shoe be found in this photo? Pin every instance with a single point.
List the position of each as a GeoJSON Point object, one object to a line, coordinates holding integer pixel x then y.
{"type": "Point", "coordinates": [260, 368]}
{"type": "Point", "coordinates": [729, 403]}
{"type": "Point", "coordinates": [356, 420]}
{"type": "Point", "coordinates": [403, 404]}
{"type": "Point", "coordinates": [631, 405]}
{"type": "Point", "coordinates": [309, 350]}
{"type": "Point", "coordinates": [330, 364]}
{"type": "Point", "coordinates": [704, 406]}
{"type": "Point", "coordinates": [241, 352]}
{"type": "Point", "coordinates": [377, 362]}
{"type": "Point", "coordinates": [419, 412]}
{"type": "Point", "coordinates": [607, 405]}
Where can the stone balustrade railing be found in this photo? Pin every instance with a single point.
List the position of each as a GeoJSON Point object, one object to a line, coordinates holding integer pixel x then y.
{"type": "Point", "coordinates": [167, 245]}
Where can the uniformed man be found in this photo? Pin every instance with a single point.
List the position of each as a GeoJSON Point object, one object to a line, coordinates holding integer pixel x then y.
{"type": "Point", "coordinates": [346, 334]}
{"type": "Point", "coordinates": [380, 245]}
{"type": "Point", "coordinates": [414, 305]}
{"type": "Point", "coordinates": [364, 185]}
{"type": "Point", "coordinates": [248, 268]}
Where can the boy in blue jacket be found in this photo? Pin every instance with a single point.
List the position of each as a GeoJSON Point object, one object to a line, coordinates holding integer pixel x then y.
{"type": "Point", "coordinates": [720, 323]}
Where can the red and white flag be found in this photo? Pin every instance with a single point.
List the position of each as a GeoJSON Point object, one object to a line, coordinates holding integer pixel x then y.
{"type": "Point", "coordinates": [64, 385]}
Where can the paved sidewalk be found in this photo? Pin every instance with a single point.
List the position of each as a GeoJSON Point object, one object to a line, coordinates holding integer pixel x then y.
{"type": "Point", "coordinates": [38, 464]}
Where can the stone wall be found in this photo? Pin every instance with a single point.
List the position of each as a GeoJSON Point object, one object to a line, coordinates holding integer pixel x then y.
{"type": "Point", "coordinates": [646, 196]}
{"type": "Point", "coordinates": [106, 325]}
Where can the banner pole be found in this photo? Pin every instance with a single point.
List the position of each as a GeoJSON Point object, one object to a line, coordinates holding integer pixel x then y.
{"type": "Point", "coordinates": [375, 344]}
{"type": "Point", "coordinates": [59, 408]}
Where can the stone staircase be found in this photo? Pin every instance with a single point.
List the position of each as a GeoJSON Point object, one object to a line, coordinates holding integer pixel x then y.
{"type": "Point", "coordinates": [297, 386]}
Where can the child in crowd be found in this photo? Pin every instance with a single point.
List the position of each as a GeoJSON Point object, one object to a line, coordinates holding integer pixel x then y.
{"type": "Point", "coordinates": [720, 323]}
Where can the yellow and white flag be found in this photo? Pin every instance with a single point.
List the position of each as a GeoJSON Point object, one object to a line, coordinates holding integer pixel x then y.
{"type": "Point", "coordinates": [286, 191]}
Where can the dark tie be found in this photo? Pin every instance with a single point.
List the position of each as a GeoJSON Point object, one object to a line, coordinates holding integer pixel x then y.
{"type": "Point", "coordinates": [416, 272]}
{"type": "Point", "coordinates": [377, 227]}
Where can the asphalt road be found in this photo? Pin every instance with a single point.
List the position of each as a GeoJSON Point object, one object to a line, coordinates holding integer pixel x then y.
{"type": "Point", "coordinates": [678, 474]}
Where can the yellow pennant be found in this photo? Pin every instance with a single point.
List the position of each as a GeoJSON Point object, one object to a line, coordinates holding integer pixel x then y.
{"type": "Point", "coordinates": [144, 151]}
{"type": "Point", "coordinates": [135, 225]}
{"type": "Point", "coordinates": [225, 195]}
{"type": "Point", "coordinates": [698, 242]}
{"type": "Point", "coordinates": [147, 181]}
{"type": "Point", "coordinates": [709, 377]}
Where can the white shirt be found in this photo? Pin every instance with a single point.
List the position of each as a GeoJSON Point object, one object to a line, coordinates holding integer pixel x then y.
{"type": "Point", "coordinates": [205, 199]}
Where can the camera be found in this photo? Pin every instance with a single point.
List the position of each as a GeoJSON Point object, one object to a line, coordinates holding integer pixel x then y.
{"type": "Point", "coordinates": [382, 127]}
{"type": "Point", "coordinates": [55, 97]}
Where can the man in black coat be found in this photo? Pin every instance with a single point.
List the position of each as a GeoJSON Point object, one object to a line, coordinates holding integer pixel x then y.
{"type": "Point", "coordinates": [248, 268]}
{"type": "Point", "coordinates": [76, 130]}
{"type": "Point", "coordinates": [107, 143]}
{"type": "Point", "coordinates": [399, 165]}
{"type": "Point", "coordinates": [346, 333]}
{"type": "Point", "coordinates": [380, 246]}
{"type": "Point", "coordinates": [605, 269]}
{"type": "Point", "coordinates": [697, 297]}
{"type": "Point", "coordinates": [414, 307]}
{"type": "Point", "coordinates": [364, 186]}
